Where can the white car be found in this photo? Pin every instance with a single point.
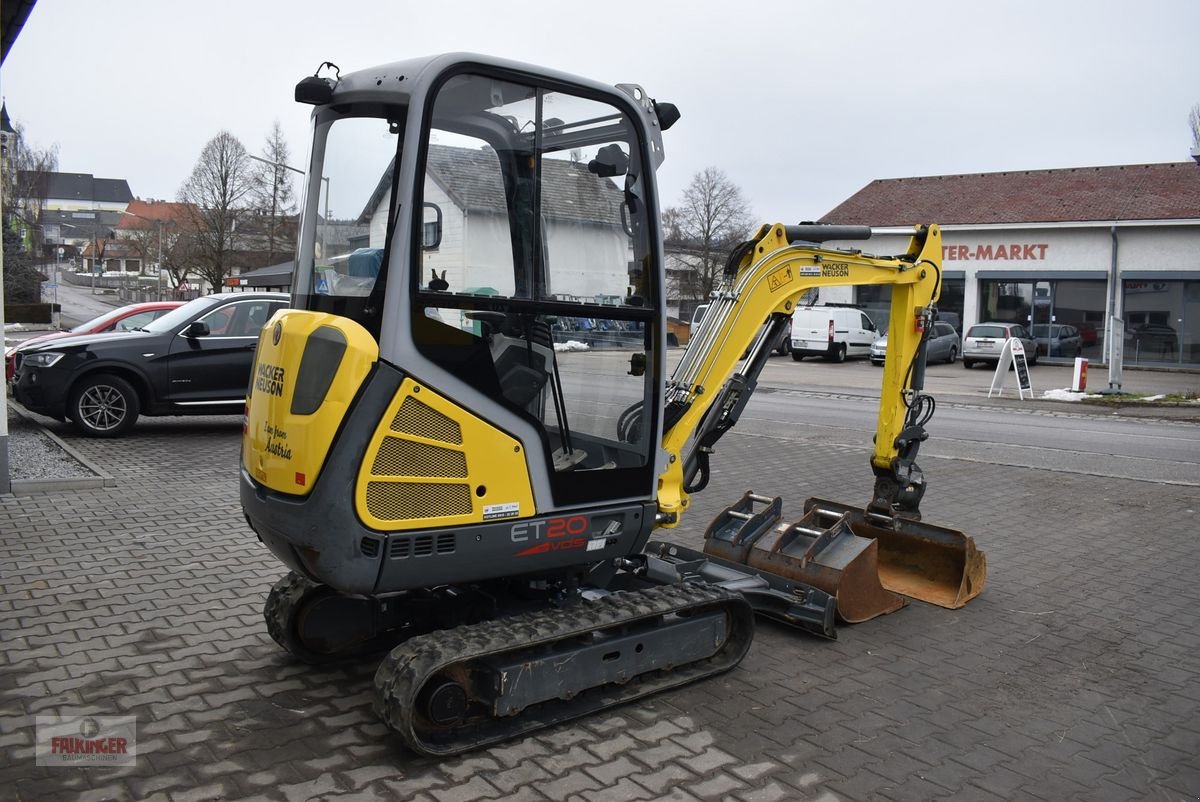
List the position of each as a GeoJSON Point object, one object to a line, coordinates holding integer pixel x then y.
{"type": "Point", "coordinates": [834, 332]}
{"type": "Point", "coordinates": [984, 341]}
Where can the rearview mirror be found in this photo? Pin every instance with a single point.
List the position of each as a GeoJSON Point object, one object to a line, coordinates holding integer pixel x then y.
{"type": "Point", "coordinates": [197, 328]}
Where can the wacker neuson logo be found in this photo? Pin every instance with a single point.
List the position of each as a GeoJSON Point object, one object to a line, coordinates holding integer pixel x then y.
{"type": "Point", "coordinates": [83, 740]}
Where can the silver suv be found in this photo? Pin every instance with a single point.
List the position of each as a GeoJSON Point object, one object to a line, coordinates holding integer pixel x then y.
{"type": "Point", "coordinates": [984, 342]}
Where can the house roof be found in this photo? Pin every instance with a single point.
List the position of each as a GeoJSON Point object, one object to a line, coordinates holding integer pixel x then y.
{"type": "Point", "coordinates": [469, 177]}
{"type": "Point", "coordinates": [142, 214]}
{"type": "Point", "coordinates": [279, 275]}
{"type": "Point", "coordinates": [112, 249]}
{"type": "Point", "coordinates": [83, 187]}
{"type": "Point", "coordinates": [78, 225]}
{"type": "Point", "coordinates": [1126, 192]}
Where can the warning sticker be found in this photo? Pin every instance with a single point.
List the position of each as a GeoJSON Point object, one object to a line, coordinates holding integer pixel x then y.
{"type": "Point", "coordinates": [780, 278]}
{"type": "Point", "coordinates": [493, 511]}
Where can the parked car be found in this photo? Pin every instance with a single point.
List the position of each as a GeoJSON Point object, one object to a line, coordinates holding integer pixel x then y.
{"type": "Point", "coordinates": [943, 346]}
{"type": "Point", "coordinates": [125, 318]}
{"type": "Point", "coordinates": [984, 342]}
{"type": "Point", "coordinates": [194, 360]}
{"type": "Point", "coordinates": [1154, 338]}
{"type": "Point", "coordinates": [785, 344]}
{"type": "Point", "coordinates": [1087, 333]}
{"type": "Point", "coordinates": [1055, 339]}
{"type": "Point", "coordinates": [834, 332]}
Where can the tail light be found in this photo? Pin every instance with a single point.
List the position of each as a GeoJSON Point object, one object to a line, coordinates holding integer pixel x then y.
{"type": "Point", "coordinates": [1006, 334]}
{"type": "Point", "coordinates": [831, 331]}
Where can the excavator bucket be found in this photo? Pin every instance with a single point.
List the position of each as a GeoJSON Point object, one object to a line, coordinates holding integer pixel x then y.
{"type": "Point", "coordinates": [870, 564]}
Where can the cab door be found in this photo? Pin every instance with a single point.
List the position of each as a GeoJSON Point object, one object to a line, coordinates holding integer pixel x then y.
{"type": "Point", "coordinates": [211, 365]}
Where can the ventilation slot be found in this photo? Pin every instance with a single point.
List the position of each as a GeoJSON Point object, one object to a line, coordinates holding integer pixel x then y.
{"type": "Point", "coordinates": [421, 546]}
{"type": "Point", "coordinates": [405, 501]}
{"type": "Point", "coordinates": [398, 457]}
{"type": "Point", "coordinates": [420, 419]}
{"type": "Point", "coordinates": [369, 547]}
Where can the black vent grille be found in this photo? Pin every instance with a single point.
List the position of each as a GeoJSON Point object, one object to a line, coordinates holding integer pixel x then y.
{"type": "Point", "coordinates": [369, 546]}
{"type": "Point", "coordinates": [402, 548]}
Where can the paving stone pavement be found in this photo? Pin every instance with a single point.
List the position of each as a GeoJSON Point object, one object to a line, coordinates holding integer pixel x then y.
{"type": "Point", "coordinates": [1073, 677]}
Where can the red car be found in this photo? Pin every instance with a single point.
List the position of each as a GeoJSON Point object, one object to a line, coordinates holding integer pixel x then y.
{"type": "Point", "coordinates": [125, 318]}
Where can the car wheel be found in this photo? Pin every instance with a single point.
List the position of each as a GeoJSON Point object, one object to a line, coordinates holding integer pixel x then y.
{"type": "Point", "coordinates": [968, 364]}
{"type": "Point", "coordinates": [839, 353]}
{"type": "Point", "coordinates": [785, 347]}
{"type": "Point", "coordinates": [672, 340]}
{"type": "Point", "coordinates": [950, 360]}
{"type": "Point", "coordinates": [796, 355]}
{"type": "Point", "coordinates": [1033, 361]}
{"type": "Point", "coordinates": [104, 406]}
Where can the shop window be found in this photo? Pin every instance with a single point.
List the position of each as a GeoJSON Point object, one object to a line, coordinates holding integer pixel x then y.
{"type": "Point", "coordinates": [1162, 322]}
{"type": "Point", "coordinates": [1042, 304]}
{"type": "Point", "coordinates": [876, 301]}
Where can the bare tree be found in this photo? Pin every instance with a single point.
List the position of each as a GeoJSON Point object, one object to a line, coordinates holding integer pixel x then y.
{"type": "Point", "coordinates": [25, 182]}
{"type": "Point", "coordinates": [1194, 124]}
{"type": "Point", "coordinates": [24, 193]}
{"type": "Point", "coordinates": [273, 193]}
{"type": "Point", "coordinates": [180, 249]}
{"type": "Point", "coordinates": [219, 191]}
{"type": "Point", "coordinates": [712, 217]}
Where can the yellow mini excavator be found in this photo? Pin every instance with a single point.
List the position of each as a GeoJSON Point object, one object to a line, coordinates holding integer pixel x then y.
{"type": "Point", "coordinates": [464, 433]}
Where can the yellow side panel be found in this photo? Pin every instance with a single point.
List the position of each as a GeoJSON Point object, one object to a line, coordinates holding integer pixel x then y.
{"type": "Point", "coordinates": [432, 463]}
{"type": "Point", "coordinates": [281, 449]}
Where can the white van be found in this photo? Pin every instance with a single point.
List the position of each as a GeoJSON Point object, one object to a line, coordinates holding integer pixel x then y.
{"type": "Point", "coordinates": [834, 332]}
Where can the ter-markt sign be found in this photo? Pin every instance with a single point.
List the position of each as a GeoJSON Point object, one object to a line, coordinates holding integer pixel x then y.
{"type": "Point", "coordinates": [1012, 252]}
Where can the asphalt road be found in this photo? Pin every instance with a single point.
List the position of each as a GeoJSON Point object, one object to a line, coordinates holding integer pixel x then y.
{"type": "Point", "coordinates": [80, 304]}
{"type": "Point", "coordinates": [1066, 441]}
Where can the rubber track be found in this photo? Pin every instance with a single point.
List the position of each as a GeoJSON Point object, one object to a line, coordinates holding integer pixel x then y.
{"type": "Point", "coordinates": [404, 671]}
{"type": "Point", "coordinates": [285, 595]}
{"type": "Point", "coordinates": [284, 601]}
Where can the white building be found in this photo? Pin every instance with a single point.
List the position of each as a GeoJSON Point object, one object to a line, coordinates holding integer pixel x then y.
{"type": "Point", "coordinates": [585, 240]}
{"type": "Point", "coordinates": [1071, 246]}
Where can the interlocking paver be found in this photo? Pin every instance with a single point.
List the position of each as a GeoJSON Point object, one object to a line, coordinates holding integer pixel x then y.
{"type": "Point", "coordinates": [1073, 676]}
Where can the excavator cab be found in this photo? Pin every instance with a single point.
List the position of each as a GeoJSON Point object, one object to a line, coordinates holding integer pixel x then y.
{"type": "Point", "coordinates": [493, 336]}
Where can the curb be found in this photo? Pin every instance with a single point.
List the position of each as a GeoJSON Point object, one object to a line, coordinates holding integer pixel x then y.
{"type": "Point", "coordinates": [22, 487]}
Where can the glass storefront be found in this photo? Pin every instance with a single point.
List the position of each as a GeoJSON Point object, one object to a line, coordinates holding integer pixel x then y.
{"type": "Point", "coordinates": [1162, 322]}
{"type": "Point", "coordinates": [876, 301]}
{"type": "Point", "coordinates": [1066, 316]}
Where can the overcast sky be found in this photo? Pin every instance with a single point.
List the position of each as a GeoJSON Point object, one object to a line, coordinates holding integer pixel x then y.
{"type": "Point", "coordinates": [800, 103]}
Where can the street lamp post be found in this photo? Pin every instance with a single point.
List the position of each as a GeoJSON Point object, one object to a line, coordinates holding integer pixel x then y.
{"type": "Point", "coordinates": [324, 178]}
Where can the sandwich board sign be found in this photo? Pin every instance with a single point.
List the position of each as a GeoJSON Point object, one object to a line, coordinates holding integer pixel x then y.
{"type": "Point", "coordinates": [1012, 354]}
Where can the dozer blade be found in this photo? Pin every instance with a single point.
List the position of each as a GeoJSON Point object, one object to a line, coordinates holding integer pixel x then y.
{"type": "Point", "coordinates": [933, 564]}
{"type": "Point", "coordinates": [869, 568]}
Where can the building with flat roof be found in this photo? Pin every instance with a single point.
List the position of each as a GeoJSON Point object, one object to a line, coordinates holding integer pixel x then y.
{"type": "Point", "coordinates": [1076, 247]}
